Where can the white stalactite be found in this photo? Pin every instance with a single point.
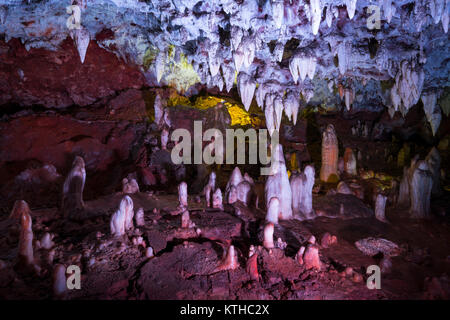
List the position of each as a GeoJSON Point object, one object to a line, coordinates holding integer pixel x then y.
{"type": "Point", "coordinates": [278, 13]}
{"type": "Point", "coordinates": [278, 51]}
{"type": "Point", "coordinates": [228, 75]}
{"type": "Point", "coordinates": [329, 17]}
{"type": "Point", "coordinates": [81, 38]}
{"type": "Point", "coordinates": [316, 15]}
{"type": "Point", "coordinates": [247, 87]}
{"type": "Point", "coordinates": [351, 8]}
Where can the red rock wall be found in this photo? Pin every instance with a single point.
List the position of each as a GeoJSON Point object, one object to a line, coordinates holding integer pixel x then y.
{"type": "Point", "coordinates": [58, 79]}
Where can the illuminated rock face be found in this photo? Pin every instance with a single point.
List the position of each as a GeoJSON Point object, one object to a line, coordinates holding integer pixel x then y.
{"type": "Point", "coordinates": [330, 150]}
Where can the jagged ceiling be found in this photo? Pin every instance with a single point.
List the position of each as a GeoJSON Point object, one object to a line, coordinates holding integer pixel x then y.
{"type": "Point", "coordinates": [284, 54]}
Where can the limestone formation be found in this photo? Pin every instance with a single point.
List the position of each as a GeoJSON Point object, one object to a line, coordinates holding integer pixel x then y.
{"type": "Point", "coordinates": [350, 162]}
{"type": "Point", "coordinates": [122, 219]}
{"type": "Point", "coordinates": [72, 197]}
{"type": "Point", "coordinates": [217, 199]}
{"type": "Point", "coordinates": [420, 184]}
{"type": "Point", "coordinates": [268, 236]}
{"type": "Point", "coordinates": [330, 150]}
{"type": "Point", "coordinates": [130, 186]}
{"type": "Point", "coordinates": [277, 184]}
{"type": "Point", "coordinates": [380, 207]}
{"type": "Point", "coordinates": [434, 162]}
{"type": "Point", "coordinates": [301, 187]}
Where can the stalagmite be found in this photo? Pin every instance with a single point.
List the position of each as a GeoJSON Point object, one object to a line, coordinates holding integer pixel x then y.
{"type": "Point", "coordinates": [268, 236]}
{"type": "Point", "coordinates": [164, 138]}
{"type": "Point", "coordinates": [159, 111]}
{"type": "Point", "coordinates": [277, 184]}
{"type": "Point", "coordinates": [380, 206]}
{"type": "Point", "coordinates": [235, 178]}
{"type": "Point", "coordinates": [351, 7]}
{"type": "Point", "coordinates": [139, 218]}
{"type": "Point", "coordinates": [26, 254]}
{"type": "Point", "coordinates": [46, 241]}
{"type": "Point", "coordinates": [209, 188]}
{"type": "Point", "coordinates": [217, 199]}
{"type": "Point", "coordinates": [186, 222]}
{"type": "Point", "coordinates": [434, 162]}
{"type": "Point", "coordinates": [248, 179]}
{"type": "Point", "coordinates": [301, 186]}
{"type": "Point", "coordinates": [421, 183]}
{"type": "Point", "coordinates": [330, 150]}
{"type": "Point", "coordinates": [230, 260]}
{"type": "Point", "coordinates": [122, 219]}
{"type": "Point", "coordinates": [59, 281]}
{"type": "Point", "coordinates": [81, 38]}
{"type": "Point", "coordinates": [129, 186]}
{"type": "Point", "coordinates": [243, 192]}
{"type": "Point", "coordinates": [252, 264]}
{"type": "Point", "coordinates": [404, 189]}
{"type": "Point", "coordinates": [182, 195]}
{"type": "Point", "coordinates": [20, 208]}
{"type": "Point", "coordinates": [350, 162]}
{"type": "Point", "coordinates": [72, 197]}
{"type": "Point", "coordinates": [311, 257]}
{"type": "Point", "coordinates": [246, 86]}
{"type": "Point", "coordinates": [232, 195]}
{"type": "Point", "coordinates": [273, 210]}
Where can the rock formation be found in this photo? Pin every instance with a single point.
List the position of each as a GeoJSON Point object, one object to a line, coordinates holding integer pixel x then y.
{"type": "Point", "coordinates": [330, 150]}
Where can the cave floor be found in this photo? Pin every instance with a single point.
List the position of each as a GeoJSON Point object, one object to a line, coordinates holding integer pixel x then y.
{"type": "Point", "coordinates": [184, 259]}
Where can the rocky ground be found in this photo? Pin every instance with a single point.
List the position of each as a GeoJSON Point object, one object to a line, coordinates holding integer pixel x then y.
{"type": "Point", "coordinates": [185, 259]}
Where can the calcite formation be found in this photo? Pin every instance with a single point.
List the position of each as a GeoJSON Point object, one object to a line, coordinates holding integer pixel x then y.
{"type": "Point", "coordinates": [277, 184]}
{"type": "Point", "coordinates": [420, 186]}
{"type": "Point", "coordinates": [301, 187]}
{"type": "Point", "coordinates": [72, 193]}
{"type": "Point", "coordinates": [330, 150]}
